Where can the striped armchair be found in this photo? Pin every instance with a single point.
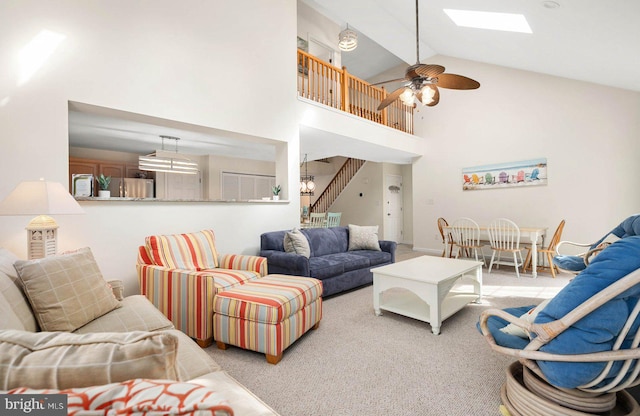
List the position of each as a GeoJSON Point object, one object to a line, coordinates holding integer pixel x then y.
{"type": "Point", "coordinates": [181, 273]}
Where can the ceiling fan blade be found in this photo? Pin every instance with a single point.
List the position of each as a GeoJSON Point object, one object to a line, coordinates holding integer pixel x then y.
{"type": "Point", "coordinates": [434, 100]}
{"type": "Point", "coordinates": [456, 82]}
{"type": "Point", "coordinates": [391, 80]}
{"type": "Point", "coordinates": [391, 98]}
{"type": "Point", "coordinates": [430, 71]}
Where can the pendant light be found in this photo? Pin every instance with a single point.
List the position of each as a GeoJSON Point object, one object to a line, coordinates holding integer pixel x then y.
{"type": "Point", "coordinates": [307, 185]}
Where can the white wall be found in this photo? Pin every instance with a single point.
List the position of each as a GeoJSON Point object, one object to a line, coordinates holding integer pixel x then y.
{"type": "Point", "coordinates": [365, 209]}
{"type": "Point", "coordinates": [314, 26]}
{"type": "Point", "coordinates": [190, 61]}
{"type": "Point", "coordinates": [588, 133]}
{"type": "Point", "coordinates": [407, 203]}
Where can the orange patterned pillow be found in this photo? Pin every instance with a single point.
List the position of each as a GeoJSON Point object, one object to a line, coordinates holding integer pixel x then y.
{"type": "Point", "coordinates": [142, 397]}
{"type": "Point", "coordinates": [191, 251]}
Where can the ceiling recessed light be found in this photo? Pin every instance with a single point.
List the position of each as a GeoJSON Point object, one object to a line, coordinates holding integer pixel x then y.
{"type": "Point", "coordinates": [550, 4]}
{"type": "Point", "coordinates": [509, 22]}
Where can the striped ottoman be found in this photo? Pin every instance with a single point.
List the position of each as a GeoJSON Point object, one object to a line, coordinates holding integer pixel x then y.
{"type": "Point", "coordinates": [267, 314]}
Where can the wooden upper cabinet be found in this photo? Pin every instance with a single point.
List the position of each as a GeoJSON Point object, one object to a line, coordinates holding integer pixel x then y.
{"type": "Point", "coordinates": [107, 168]}
{"type": "Point", "coordinates": [115, 170]}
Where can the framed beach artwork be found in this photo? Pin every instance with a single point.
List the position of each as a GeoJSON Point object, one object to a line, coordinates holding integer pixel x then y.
{"type": "Point", "coordinates": [505, 175]}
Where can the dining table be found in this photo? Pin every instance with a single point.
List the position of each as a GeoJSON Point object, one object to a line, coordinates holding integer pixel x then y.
{"type": "Point", "coordinates": [533, 233]}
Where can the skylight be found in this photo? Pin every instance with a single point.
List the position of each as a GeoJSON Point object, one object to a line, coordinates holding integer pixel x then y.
{"type": "Point", "coordinates": [509, 22]}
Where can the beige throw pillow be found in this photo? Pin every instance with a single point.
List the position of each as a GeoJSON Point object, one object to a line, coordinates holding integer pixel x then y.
{"type": "Point", "coordinates": [296, 242]}
{"type": "Point", "coordinates": [18, 310]}
{"type": "Point", "coordinates": [363, 237]}
{"type": "Point", "coordinates": [60, 360]}
{"type": "Point", "coordinates": [66, 291]}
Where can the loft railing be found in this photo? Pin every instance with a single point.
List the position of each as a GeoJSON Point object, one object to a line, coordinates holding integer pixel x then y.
{"type": "Point", "coordinates": [337, 185]}
{"type": "Point", "coordinates": [324, 83]}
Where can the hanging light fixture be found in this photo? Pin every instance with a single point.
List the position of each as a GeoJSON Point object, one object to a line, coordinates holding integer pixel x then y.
{"type": "Point", "coordinates": [347, 40]}
{"type": "Point", "coordinates": [168, 164]}
{"type": "Point", "coordinates": [416, 93]}
{"type": "Point", "coordinates": [307, 185]}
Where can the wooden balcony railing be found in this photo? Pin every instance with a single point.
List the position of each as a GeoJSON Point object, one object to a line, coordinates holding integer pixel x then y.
{"type": "Point", "coordinates": [324, 83]}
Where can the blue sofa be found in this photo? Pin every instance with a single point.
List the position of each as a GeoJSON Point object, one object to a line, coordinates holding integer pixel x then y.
{"type": "Point", "coordinates": [330, 261]}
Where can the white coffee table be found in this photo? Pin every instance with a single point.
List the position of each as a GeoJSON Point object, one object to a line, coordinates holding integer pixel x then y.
{"type": "Point", "coordinates": [428, 281]}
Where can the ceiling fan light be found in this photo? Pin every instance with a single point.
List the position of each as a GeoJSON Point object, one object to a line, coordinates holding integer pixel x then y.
{"type": "Point", "coordinates": [407, 96]}
{"type": "Point", "coordinates": [347, 40]}
{"type": "Point", "coordinates": [427, 94]}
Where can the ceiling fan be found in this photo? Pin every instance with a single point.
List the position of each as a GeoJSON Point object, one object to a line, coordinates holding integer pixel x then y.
{"type": "Point", "coordinates": [423, 81]}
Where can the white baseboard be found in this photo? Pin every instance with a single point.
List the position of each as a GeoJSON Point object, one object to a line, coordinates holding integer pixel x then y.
{"type": "Point", "coordinates": [429, 251]}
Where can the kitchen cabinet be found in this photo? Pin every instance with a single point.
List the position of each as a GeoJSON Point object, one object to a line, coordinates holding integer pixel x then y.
{"type": "Point", "coordinates": [96, 167]}
{"type": "Point", "coordinates": [115, 170]}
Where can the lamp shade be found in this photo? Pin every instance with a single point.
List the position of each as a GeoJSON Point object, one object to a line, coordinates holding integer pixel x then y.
{"type": "Point", "coordinates": [347, 40]}
{"type": "Point", "coordinates": [42, 199]}
{"type": "Point", "coordinates": [39, 198]}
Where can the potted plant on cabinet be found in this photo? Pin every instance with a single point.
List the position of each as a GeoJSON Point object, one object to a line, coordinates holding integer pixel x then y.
{"type": "Point", "coordinates": [103, 184]}
{"type": "Point", "coordinates": [276, 192]}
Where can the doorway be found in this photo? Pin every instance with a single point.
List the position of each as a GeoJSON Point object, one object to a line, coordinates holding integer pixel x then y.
{"type": "Point", "coordinates": [322, 51]}
{"type": "Point", "coordinates": [393, 215]}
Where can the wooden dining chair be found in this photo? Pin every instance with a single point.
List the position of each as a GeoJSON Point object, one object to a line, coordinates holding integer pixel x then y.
{"type": "Point", "coordinates": [317, 219]}
{"type": "Point", "coordinates": [504, 236]}
{"type": "Point", "coordinates": [447, 239]}
{"type": "Point", "coordinates": [549, 252]}
{"type": "Point", "coordinates": [333, 219]}
{"type": "Point", "coordinates": [466, 237]}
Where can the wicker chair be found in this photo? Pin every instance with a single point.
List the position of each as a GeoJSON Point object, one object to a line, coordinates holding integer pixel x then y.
{"type": "Point", "coordinates": [575, 263]}
{"type": "Point", "coordinates": [529, 391]}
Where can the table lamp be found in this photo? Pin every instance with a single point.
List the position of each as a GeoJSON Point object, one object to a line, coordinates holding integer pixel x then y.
{"type": "Point", "coordinates": [42, 199]}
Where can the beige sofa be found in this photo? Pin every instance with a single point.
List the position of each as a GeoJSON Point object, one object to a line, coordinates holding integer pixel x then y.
{"type": "Point", "coordinates": [55, 334]}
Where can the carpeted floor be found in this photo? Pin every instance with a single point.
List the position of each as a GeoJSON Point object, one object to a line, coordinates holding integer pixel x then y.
{"type": "Point", "coordinates": [357, 363]}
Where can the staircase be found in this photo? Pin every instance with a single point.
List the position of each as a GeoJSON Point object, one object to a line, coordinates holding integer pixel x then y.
{"type": "Point", "coordinates": [337, 185]}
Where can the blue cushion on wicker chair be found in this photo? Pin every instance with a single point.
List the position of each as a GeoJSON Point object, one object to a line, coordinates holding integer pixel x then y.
{"type": "Point", "coordinates": [627, 228]}
{"type": "Point", "coordinates": [570, 263]}
{"type": "Point", "coordinates": [598, 330]}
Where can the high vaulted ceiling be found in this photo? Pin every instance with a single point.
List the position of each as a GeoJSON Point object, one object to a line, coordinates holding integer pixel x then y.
{"type": "Point", "coordinates": [587, 40]}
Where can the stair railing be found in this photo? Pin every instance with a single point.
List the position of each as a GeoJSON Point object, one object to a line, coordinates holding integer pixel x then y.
{"type": "Point", "coordinates": [340, 181]}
